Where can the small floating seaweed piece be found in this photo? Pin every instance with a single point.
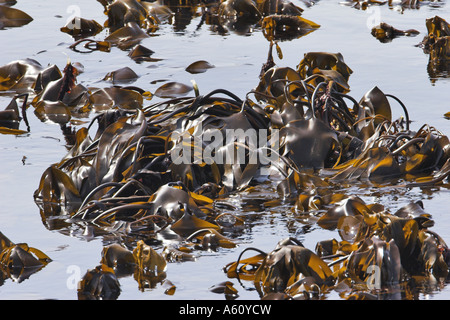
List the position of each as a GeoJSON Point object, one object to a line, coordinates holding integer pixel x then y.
{"type": "Point", "coordinates": [363, 4]}
{"type": "Point", "coordinates": [11, 17]}
{"type": "Point", "coordinates": [210, 238]}
{"type": "Point", "coordinates": [245, 269]}
{"type": "Point", "coordinates": [172, 254]}
{"type": "Point", "coordinates": [173, 89]}
{"type": "Point", "coordinates": [199, 66]}
{"type": "Point", "coordinates": [148, 259]}
{"type": "Point", "coordinates": [91, 45]}
{"type": "Point", "coordinates": [127, 36]}
{"type": "Point", "coordinates": [227, 288]}
{"type": "Point", "coordinates": [81, 28]}
{"type": "Point", "coordinates": [385, 32]}
{"type": "Point", "coordinates": [189, 223]}
{"type": "Point", "coordinates": [286, 27]}
{"type": "Point", "coordinates": [121, 75]}
{"type": "Point", "coordinates": [10, 117]}
{"type": "Point", "coordinates": [352, 206]}
{"type": "Point", "coordinates": [139, 53]}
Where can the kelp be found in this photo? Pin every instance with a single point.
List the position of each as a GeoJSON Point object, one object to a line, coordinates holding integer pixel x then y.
{"type": "Point", "coordinates": [437, 45]}
{"type": "Point", "coordinates": [11, 17]}
{"type": "Point", "coordinates": [127, 36]}
{"type": "Point", "coordinates": [399, 247]}
{"type": "Point", "coordinates": [121, 12]}
{"type": "Point", "coordinates": [19, 261]}
{"type": "Point", "coordinates": [81, 28]}
{"type": "Point", "coordinates": [286, 27]}
{"type": "Point", "coordinates": [10, 117]}
{"type": "Point", "coordinates": [173, 89]}
{"type": "Point", "coordinates": [139, 54]}
{"type": "Point", "coordinates": [99, 284]}
{"type": "Point", "coordinates": [122, 75]}
{"type": "Point", "coordinates": [363, 4]}
{"type": "Point", "coordinates": [385, 32]}
{"type": "Point", "coordinates": [290, 266]}
{"type": "Point", "coordinates": [19, 76]}
{"type": "Point", "coordinates": [199, 66]}
{"type": "Point", "coordinates": [158, 181]}
{"type": "Point", "coordinates": [129, 182]}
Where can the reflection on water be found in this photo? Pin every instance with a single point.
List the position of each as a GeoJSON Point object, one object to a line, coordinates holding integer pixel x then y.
{"type": "Point", "coordinates": [438, 70]}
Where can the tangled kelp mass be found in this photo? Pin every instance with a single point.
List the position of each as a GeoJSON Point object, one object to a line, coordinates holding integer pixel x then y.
{"type": "Point", "coordinates": [157, 180]}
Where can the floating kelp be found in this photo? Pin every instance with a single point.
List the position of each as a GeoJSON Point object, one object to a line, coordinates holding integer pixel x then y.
{"type": "Point", "coordinates": [286, 27]}
{"type": "Point", "coordinates": [122, 75]}
{"type": "Point", "coordinates": [127, 36]}
{"type": "Point", "coordinates": [173, 89]}
{"type": "Point", "coordinates": [413, 4]}
{"type": "Point", "coordinates": [437, 45]}
{"type": "Point", "coordinates": [239, 8]}
{"type": "Point", "coordinates": [147, 266]}
{"type": "Point", "coordinates": [91, 45]}
{"type": "Point", "coordinates": [19, 76]}
{"type": "Point", "coordinates": [10, 117]}
{"type": "Point", "coordinates": [81, 28]}
{"type": "Point", "coordinates": [199, 67]}
{"type": "Point", "coordinates": [99, 283]}
{"type": "Point", "coordinates": [112, 97]}
{"type": "Point", "coordinates": [11, 17]}
{"type": "Point", "coordinates": [378, 251]}
{"type": "Point", "coordinates": [19, 261]}
{"type": "Point", "coordinates": [363, 4]}
{"type": "Point", "coordinates": [330, 65]}
{"type": "Point", "coordinates": [140, 54]}
{"type": "Point", "coordinates": [385, 32]}
{"type": "Point", "coordinates": [225, 288]}
{"type": "Point", "coordinates": [122, 12]}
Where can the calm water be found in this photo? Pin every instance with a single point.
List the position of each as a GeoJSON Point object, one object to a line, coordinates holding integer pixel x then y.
{"type": "Point", "coordinates": [397, 67]}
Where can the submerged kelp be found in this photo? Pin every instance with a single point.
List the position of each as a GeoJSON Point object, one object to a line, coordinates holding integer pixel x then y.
{"type": "Point", "coordinates": [157, 181]}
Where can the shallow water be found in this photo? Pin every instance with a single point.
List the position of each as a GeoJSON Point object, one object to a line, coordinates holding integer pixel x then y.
{"type": "Point", "coordinates": [397, 67]}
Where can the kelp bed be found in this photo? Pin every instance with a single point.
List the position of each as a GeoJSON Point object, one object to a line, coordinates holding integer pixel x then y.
{"type": "Point", "coordinates": [122, 180]}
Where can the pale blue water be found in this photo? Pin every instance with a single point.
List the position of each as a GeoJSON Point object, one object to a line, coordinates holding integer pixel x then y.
{"type": "Point", "coordinates": [398, 68]}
